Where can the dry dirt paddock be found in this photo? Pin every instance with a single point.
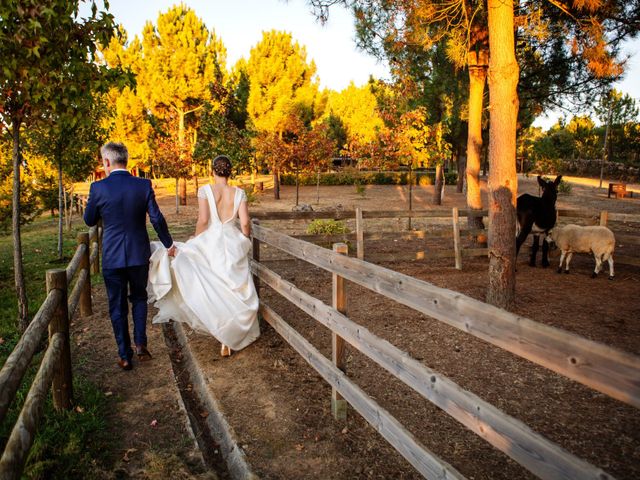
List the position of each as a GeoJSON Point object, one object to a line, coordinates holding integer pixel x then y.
{"type": "Point", "coordinates": [279, 407]}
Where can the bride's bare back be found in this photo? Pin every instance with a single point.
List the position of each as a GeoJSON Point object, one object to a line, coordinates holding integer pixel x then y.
{"type": "Point", "coordinates": [224, 195]}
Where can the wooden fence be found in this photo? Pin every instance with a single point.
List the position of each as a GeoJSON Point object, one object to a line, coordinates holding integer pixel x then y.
{"type": "Point", "coordinates": [55, 369]}
{"type": "Point", "coordinates": [361, 235]}
{"type": "Point", "coordinates": [608, 370]}
{"type": "Point", "coordinates": [455, 233]}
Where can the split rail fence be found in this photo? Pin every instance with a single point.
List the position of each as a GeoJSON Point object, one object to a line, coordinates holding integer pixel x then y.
{"type": "Point", "coordinates": [361, 235]}
{"type": "Point", "coordinates": [598, 366]}
{"type": "Point", "coordinates": [456, 233]}
{"type": "Point", "coordinates": [55, 371]}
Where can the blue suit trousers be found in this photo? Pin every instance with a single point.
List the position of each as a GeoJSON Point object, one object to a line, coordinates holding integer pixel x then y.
{"type": "Point", "coordinates": [128, 283]}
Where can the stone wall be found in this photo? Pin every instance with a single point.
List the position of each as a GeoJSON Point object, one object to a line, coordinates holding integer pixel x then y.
{"type": "Point", "coordinates": [591, 168]}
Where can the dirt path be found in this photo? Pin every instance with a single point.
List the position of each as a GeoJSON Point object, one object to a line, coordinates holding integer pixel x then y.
{"type": "Point", "coordinates": [147, 420]}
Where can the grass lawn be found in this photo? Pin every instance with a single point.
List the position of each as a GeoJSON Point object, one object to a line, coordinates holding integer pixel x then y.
{"type": "Point", "coordinates": [68, 444]}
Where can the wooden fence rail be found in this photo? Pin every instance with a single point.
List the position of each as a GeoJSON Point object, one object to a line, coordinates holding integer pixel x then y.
{"type": "Point", "coordinates": [457, 251]}
{"type": "Point", "coordinates": [606, 369]}
{"type": "Point", "coordinates": [55, 369]}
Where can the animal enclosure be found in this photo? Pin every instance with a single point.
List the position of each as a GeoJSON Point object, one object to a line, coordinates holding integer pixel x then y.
{"type": "Point", "coordinates": [574, 357]}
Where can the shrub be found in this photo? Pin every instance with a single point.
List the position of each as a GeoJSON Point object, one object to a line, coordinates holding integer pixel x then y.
{"type": "Point", "coordinates": [327, 227]}
{"type": "Point", "coordinates": [350, 176]}
{"type": "Point", "coordinates": [564, 188]}
{"type": "Point", "coordinates": [252, 196]}
{"type": "Point", "coordinates": [424, 180]}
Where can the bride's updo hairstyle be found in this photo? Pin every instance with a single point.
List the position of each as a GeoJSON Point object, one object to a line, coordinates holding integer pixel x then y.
{"type": "Point", "coordinates": [222, 166]}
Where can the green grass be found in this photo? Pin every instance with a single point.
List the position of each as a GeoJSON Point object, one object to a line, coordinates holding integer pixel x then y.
{"type": "Point", "coordinates": [70, 444]}
{"type": "Point", "coordinates": [39, 245]}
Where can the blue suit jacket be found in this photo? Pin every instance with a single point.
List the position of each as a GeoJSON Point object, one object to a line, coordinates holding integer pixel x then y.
{"type": "Point", "coordinates": [122, 201]}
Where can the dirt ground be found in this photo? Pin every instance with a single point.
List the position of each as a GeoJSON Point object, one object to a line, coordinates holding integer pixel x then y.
{"type": "Point", "coordinates": [279, 406]}
{"type": "Point", "coordinates": [147, 419]}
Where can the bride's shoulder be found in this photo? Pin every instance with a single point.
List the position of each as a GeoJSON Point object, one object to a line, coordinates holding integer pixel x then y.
{"type": "Point", "coordinates": [240, 193]}
{"type": "Point", "coordinates": [202, 191]}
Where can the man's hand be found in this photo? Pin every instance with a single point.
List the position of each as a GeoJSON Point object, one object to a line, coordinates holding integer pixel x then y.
{"type": "Point", "coordinates": [172, 251]}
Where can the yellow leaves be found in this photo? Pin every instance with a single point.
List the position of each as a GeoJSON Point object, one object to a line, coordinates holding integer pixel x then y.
{"type": "Point", "coordinates": [357, 107]}
{"type": "Point", "coordinates": [280, 79]}
{"type": "Point", "coordinates": [180, 59]}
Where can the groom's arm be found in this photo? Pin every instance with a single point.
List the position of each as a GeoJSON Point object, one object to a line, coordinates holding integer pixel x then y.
{"type": "Point", "coordinates": [91, 213]}
{"type": "Point", "coordinates": [157, 219]}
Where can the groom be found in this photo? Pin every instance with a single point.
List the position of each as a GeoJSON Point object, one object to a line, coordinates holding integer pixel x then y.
{"type": "Point", "coordinates": [122, 202]}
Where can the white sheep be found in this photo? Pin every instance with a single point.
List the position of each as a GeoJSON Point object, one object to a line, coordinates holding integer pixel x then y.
{"type": "Point", "coordinates": [572, 239]}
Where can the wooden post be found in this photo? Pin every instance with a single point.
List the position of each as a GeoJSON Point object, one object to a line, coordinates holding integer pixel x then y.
{"type": "Point", "coordinates": [456, 239]}
{"type": "Point", "coordinates": [359, 234]}
{"type": "Point", "coordinates": [338, 352]}
{"type": "Point", "coordinates": [85, 296]}
{"type": "Point", "coordinates": [256, 255]}
{"type": "Point", "coordinates": [62, 386]}
{"type": "Point", "coordinates": [604, 218]}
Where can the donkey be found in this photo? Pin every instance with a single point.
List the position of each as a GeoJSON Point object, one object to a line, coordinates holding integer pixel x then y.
{"type": "Point", "coordinates": [537, 215]}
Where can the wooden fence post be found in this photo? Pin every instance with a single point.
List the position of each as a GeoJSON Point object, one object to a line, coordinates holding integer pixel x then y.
{"type": "Point", "coordinates": [456, 239]}
{"type": "Point", "coordinates": [604, 218]}
{"type": "Point", "coordinates": [85, 297]}
{"type": "Point", "coordinates": [359, 234]}
{"type": "Point", "coordinates": [256, 256]}
{"type": "Point", "coordinates": [338, 351]}
{"type": "Point", "coordinates": [62, 385]}
{"type": "Point", "coordinates": [94, 236]}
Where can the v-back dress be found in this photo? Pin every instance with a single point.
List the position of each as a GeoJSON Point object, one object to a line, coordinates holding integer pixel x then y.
{"type": "Point", "coordinates": [208, 285]}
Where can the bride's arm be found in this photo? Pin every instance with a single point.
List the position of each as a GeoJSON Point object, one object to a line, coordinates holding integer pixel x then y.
{"type": "Point", "coordinates": [245, 220]}
{"type": "Point", "coordinates": [203, 216]}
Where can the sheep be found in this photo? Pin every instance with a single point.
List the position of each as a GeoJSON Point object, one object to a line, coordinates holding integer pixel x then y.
{"type": "Point", "coordinates": [577, 239]}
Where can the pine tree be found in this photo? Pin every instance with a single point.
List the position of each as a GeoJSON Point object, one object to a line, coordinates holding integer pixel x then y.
{"type": "Point", "coordinates": [282, 82]}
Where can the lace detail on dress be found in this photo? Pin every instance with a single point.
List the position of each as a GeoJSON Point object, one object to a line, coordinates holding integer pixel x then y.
{"type": "Point", "coordinates": [201, 192]}
{"type": "Point", "coordinates": [243, 194]}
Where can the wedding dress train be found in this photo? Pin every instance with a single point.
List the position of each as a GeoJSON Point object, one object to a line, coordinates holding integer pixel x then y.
{"type": "Point", "coordinates": [208, 285]}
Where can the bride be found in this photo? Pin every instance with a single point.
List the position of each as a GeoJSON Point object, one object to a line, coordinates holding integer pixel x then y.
{"type": "Point", "coordinates": [208, 283]}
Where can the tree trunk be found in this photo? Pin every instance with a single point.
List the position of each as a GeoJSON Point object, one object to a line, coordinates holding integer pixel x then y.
{"type": "Point", "coordinates": [183, 191]}
{"type": "Point", "coordinates": [477, 78]}
{"type": "Point", "coordinates": [68, 208]}
{"type": "Point", "coordinates": [18, 268]}
{"type": "Point", "coordinates": [503, 183]}
{"type": "Point", "coordinates": [461, 168]}
{"type": "Point", "coordinates": [318, 187]}
{"type": "Point", "coordinates": [60, 208]}
{"type": "Point", "coordinates": [297, 187]}
{"type": "Point", "coordinates": [410, 193]}
{"type": "Point", "coordinates": [276, 184]}
{"type": "Point", "coordinates": [183, 181]}
{"type": "Point", "coordinates": [439, 184]}
{"type": "Point", "coordinates": [605, 151]}
{"type": "Point", "coordinates": [177, 196]}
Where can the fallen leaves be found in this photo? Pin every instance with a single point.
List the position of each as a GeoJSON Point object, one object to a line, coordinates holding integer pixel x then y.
{"type": "Point", "coordinates": [129, 451]}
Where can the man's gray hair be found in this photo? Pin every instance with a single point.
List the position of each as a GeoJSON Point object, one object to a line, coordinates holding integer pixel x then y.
{"type": "Point", "coordinates": [115, 152]}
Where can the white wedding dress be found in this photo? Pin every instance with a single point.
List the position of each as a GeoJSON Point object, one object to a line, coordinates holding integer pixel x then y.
{"type": "Point", "coordinates": [208, 284]}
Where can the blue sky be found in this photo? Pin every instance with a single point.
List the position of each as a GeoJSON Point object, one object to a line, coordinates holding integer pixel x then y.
{"type": "Point", "coordinates": [240, 23]}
